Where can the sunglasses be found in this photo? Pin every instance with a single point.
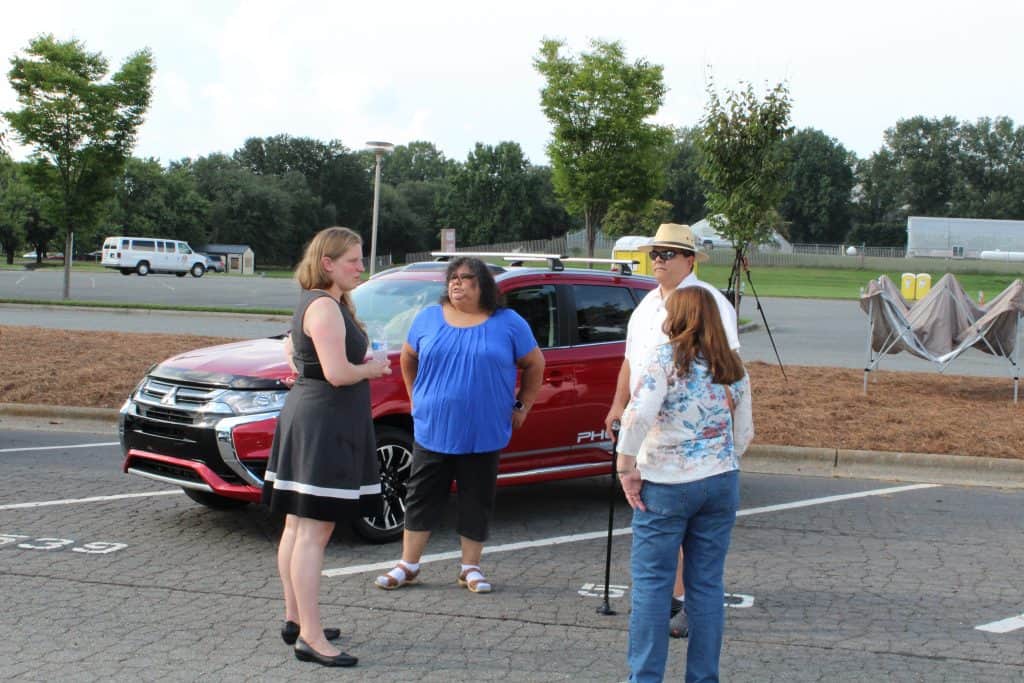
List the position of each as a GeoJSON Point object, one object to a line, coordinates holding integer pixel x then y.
{"type": "Point", "coordinates": [667, 254]}
{"type": "Point", "coordinates": [464, 277]}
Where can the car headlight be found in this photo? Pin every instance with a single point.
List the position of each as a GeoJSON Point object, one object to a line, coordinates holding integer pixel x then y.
{"type": "Point", "coordinates": [248, 402]}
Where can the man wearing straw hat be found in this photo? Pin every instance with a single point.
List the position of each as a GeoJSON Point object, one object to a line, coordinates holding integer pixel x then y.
{"type": "Point", "coordinates": [673, 252]}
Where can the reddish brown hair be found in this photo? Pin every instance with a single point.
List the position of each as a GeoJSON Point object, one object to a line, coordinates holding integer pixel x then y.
{"type": "Point", "coordinates": [695, 328]}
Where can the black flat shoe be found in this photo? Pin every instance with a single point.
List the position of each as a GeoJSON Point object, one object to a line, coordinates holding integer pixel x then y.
{"type": "Point", "coordinates": [290, 632]}
{"type": "Point", "coordinates": [304, 653]}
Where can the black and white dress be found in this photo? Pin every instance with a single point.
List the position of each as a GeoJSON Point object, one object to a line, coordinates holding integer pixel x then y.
{"type": "Point", "coordinates": [323, 462]}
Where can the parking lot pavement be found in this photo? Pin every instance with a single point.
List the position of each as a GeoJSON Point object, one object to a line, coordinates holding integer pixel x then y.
{"type": "Point", "coordinates": [863, 581]}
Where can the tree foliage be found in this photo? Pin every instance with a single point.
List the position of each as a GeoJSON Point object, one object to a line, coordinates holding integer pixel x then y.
{"type": "Point", "coordinates": [684, 189]}
{"type": "Point", "coordinates": [743, 172]}
{"type": "Point", "coordinates": [81, 125]}
{"type": "Point", "coordinates": [817, 204]}
{"type": "Point", "coordinates": [604, 151]}
{"type": "Point", "coordinates": [620, 221]}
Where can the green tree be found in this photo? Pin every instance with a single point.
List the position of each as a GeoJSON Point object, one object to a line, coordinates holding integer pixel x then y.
{"type": "Point", "coordinates": [604, 151]}
{"type": "Point", "coordinates": [619, 221]}
{"type": "Point", "coordinates": [926, 152]}
{"type": "Point", "coordinates": [684, 189]}
{"type": "Point", "coordinates": [817, 204]}
{"type": "Point", "coordinates": [990, 170]}
{"type": "Point", "coordinates": [490, 195]}
{"type": "Point", "coordinates": [151, 200]}
{"type": "Point", "coordinates": [81, 125]}
{"type": "Point", "coordinates": [878, 218]}
{"type": "Point", "coordinates": [418, 161]}
{"type": "Point", "coordinates": [15, 202]}
{"type": "Point", "coordinates": [743, 172]}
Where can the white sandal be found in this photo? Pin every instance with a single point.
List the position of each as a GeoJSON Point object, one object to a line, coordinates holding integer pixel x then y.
{"type": "Point", "coordinates": [399, 576]}
{"type": "Point", "coordinates": [473, 579]}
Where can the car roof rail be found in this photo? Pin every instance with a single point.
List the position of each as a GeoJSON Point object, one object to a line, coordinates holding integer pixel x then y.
{"type": "Point", "coordinates": [514, 258]}
{"type": "Point", "coordinates": [625, 265]}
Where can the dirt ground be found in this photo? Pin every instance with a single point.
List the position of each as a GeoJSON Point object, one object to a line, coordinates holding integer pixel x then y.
{"type": "Point", "coordinates": [824, 407]}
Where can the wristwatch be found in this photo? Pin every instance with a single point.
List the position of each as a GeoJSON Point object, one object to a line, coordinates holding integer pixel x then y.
{"type": "Point", "coordinates": [518, 406]}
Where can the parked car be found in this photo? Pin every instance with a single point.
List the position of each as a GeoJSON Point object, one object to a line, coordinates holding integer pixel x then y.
{"type": "Point", "coordinates": [204, 420]}
{"type": "Point", "coordinates": [214, 264]}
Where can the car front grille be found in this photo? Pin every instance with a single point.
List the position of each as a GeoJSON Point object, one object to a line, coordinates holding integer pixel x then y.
{"type": "Point", "coordinates": [172, 402]}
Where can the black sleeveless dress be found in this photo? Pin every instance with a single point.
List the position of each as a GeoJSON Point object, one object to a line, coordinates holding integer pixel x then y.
{"type": "Point", "coordinates": [323, 462]}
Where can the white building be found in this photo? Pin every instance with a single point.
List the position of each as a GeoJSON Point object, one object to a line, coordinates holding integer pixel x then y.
{"type": "Point", "coordinates": [962, 237]}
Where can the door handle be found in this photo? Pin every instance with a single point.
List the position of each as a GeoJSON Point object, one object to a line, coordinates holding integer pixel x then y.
{"type": "Point", "coordinates": [554, 378]}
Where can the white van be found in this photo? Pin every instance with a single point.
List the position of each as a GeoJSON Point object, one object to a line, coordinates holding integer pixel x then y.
{"type": "Point", "coordinates": [144, 255]}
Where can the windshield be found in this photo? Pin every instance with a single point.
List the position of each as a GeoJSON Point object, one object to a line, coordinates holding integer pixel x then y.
{"type": "Point", "coordinates": [388, 306]}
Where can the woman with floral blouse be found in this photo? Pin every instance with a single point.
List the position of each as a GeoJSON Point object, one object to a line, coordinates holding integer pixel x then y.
{"type": "Point", "coordinates": [682, 481]}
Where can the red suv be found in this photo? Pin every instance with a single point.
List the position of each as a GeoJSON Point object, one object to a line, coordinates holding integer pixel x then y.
{"type": "Point", "coordinates": [204, 420]}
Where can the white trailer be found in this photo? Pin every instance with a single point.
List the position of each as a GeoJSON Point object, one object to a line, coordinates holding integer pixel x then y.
{"type": "Point", "coordinates": [962, 237]}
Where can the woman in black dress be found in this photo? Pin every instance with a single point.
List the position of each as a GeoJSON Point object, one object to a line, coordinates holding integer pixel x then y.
{"type": "Point", "coordinates": [323, 463]}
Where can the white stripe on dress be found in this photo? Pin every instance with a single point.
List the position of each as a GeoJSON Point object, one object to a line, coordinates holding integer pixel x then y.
{"type": "Point", "coordinates": [323, 491]}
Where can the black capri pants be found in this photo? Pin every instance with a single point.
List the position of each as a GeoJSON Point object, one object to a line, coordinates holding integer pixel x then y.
{"type": "Point", "coordinates": [430, 482]}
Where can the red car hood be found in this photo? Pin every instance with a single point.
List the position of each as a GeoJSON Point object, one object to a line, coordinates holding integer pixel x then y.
{"type": "Point", "coordinates": [252, 364]}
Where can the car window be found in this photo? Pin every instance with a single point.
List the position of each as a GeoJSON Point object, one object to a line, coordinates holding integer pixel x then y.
{"type": "Point", "coordinates": [537, 306]}
{"type": "Point", "coordinates": [602, 313]}
{"type": "Point", "coordinates": [388, 306]}
{"type": "Point", "coordinates": [183, 248]}
{"type": "Point", "coordinates": [142, 245]}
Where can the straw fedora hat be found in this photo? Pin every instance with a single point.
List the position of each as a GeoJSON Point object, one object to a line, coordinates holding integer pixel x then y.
{"type": "Point", "coordinates": [677, 236]}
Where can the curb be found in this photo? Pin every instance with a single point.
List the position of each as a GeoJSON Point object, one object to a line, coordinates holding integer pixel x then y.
{"type": "Point", "coordinates": [838, 463]}
{"type": "Point", "coordinates": [925, 468]}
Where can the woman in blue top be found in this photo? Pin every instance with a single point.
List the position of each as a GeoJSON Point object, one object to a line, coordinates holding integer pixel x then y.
{"type": "Point", "coordinates": [459, 364]}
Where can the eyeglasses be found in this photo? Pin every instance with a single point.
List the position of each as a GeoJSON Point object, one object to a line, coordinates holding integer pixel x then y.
{"type": "Point", "coordinates": [664, 254]}
{"type": "Point", "coordinates": [464, 277]}
{"type": "Point", "coordinates": [668, 254]}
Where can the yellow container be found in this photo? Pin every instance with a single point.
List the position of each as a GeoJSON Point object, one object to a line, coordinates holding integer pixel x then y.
{"type": "Point", "coordinates": [908, 286]}
{"type": "Point", "coordinates": [643, 265]}
{"type": "Point", "coordinates": [924, 284]}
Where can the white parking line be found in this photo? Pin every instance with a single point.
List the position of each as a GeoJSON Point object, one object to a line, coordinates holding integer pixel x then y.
{"type": "Point", "coordinates": [1003, 625]}
{"type": "Point", "coordinates": [94, 499]}
{"type": "Point", "coordinates": [593, 535]}
{"type": "Point", "coordinates": [55, 448]}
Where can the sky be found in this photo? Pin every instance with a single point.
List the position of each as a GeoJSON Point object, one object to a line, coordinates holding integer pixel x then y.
{"type": "Point", "coordinates": [457, 72]}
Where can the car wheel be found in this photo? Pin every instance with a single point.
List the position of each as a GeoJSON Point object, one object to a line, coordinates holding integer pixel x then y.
{"type": "Point", "coordinates": [143, 268]}
{"type": "Point", "coordinates": [198, 270]}
{"type": "Point", "coordinates": [213, 501]}
{"type": "Point", "coordinates": [181, 274]}
{"type": "Point", "coordinates": [394, 452]}
{"type": "Point", "coordinates": [126, 271]}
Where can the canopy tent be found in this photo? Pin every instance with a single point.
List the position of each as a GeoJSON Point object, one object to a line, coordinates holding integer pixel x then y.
{"type": "Point", "coordinates": [942, 325]}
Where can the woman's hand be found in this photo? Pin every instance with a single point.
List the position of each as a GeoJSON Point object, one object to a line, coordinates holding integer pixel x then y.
{"type": "Point", "coordinates": [377, 368]}
{"type": "Point", "coordinates": [631, 485]}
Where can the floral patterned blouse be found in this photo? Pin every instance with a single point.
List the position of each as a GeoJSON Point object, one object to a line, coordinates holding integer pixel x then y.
{"type": "Point", "coordinates": [681, 428]}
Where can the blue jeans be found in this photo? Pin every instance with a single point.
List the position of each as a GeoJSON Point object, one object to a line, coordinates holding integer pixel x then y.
{"type": "Point", "coordinates": [698, 516]}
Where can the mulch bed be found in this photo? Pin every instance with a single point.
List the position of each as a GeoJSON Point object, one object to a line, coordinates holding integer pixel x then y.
{"type": "Point", "coordinates": [820, 407]}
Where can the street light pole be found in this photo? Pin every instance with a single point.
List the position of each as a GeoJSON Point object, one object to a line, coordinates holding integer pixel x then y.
{"type": "Point", "coordinates": [379, 150]}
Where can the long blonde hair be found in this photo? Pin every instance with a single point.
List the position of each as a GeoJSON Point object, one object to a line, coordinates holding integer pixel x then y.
{"type": "Point", "coordinates": [694, 328]}
{"type": "Point", "coordinates": [332, 243]}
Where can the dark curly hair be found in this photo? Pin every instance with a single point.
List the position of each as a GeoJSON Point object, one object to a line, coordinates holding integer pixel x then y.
{"type": "Point", "coordinates": [490, 298]}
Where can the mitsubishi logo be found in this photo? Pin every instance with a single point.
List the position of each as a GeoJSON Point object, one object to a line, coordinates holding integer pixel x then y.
{"type": "Point", "coordinates": [169, 397]}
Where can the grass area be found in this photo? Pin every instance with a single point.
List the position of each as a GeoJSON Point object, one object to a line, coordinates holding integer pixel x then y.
{"type": "Point", "coordinates": [811, 283]}
{"type": "Point", "coordinates": [832, 283]}
{"type": "Point", "coordinates": [147, 307]}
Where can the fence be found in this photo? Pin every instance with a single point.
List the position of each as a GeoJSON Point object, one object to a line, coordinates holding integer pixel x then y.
{"type": "Point", "coordinates": [888, 259]}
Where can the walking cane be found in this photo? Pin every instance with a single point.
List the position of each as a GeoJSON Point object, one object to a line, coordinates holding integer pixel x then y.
{"type": "Point", "coordinates": [605, 608]}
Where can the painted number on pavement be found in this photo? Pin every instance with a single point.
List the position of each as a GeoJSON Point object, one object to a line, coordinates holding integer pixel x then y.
{"type": "Point", "coordinates": [49, 543]}
{"type": "Point", "coordinates": [596, 590]}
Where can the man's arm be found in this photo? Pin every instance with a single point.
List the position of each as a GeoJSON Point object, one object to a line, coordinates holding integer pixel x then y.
{"type": "Point", "coordinates": [620, 400]}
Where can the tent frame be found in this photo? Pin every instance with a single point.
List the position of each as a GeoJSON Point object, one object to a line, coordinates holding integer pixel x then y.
{"type": "Point", "coordinates": [901, 331]}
